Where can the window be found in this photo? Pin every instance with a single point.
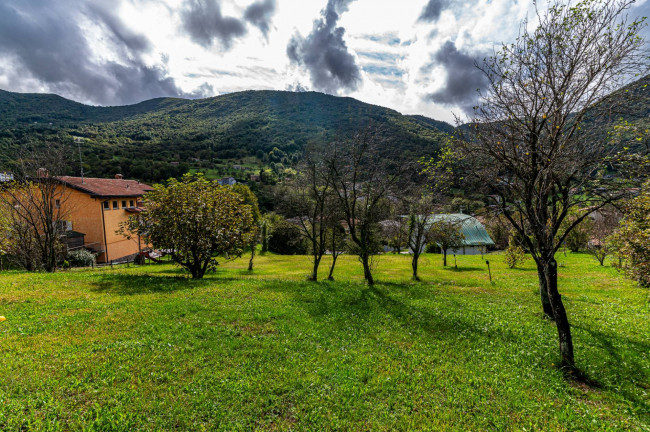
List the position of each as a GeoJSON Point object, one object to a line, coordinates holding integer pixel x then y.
{"type": "Point", "coordinates": [131, 204]}
{"type": "Point", "coordinates": [106, 205]}
{"type": "Point", "coordinates": [57, 203]}
{"type": "Point", "coordinates": [123, 204]}
{"type": "Point", "coordinates": [115, 206]}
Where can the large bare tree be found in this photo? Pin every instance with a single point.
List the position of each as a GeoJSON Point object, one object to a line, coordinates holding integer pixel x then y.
{"type": "Point", "coordinates": [535, 142]}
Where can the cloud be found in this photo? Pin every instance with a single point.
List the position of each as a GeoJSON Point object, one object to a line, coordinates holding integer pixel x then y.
{"type": "Point", "coordinates": [324, 52]}
{"type": "Point", "coordinates": [259, 14]}
{"type": "Point", "coordinates": [45, 43]}
{"type": "Point", "coordinates": [120, 33]}
{"type": "Point", "coordinates": [432, 10]}
{"type": "Point", "coordinates": [462, 80]}
{"type": "Point", "coordinates": [204, 23]}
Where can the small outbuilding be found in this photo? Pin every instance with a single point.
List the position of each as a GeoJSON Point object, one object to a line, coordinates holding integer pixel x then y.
{"type": "Point", "coordinates": [476, 238]}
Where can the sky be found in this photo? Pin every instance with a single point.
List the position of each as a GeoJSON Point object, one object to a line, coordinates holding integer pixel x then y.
{"type": "Point", "coordinates": [414, 56]}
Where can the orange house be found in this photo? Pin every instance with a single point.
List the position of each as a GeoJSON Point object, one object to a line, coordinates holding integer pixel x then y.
{"type": "Point", "coordinates": [95, 207]}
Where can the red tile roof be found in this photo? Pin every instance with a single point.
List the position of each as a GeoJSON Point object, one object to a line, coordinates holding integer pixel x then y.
{"type": "Point", "coordinates": [107, 187]}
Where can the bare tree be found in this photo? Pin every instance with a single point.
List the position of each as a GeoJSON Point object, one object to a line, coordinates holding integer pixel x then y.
{"type": "Point", "coordinates": [363, 176]}
{"type": "Point", "coordinates": [534, 143]}
{"type": "Point", "coordinates": [36, 204]}
{"type": "Point", "coordinates": [395, 229]}
{"type": "Point", "coordinates": [604, 224]}
{"type": "Point", "coordinates": [304, 198]}
{"type": "Point", "coordinates": [420, 217]}
{"type": "Point", "coordinates": [447, 234]}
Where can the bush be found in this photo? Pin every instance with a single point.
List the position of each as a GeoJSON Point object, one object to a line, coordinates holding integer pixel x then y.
{"type": "Point", "coordinates": [515, 254]}
{"type": "Point", "coordinates": [630, 242]}
{"type": "Point", "coordinates": [286, 239]}
{"type": "Point", "coordinates": [80, 258]}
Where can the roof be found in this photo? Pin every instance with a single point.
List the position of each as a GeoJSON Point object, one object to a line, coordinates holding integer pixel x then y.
{"type": "Point", "coordinates": [100, 187]}
{"type": "Point", "coordinates": [473, 230]}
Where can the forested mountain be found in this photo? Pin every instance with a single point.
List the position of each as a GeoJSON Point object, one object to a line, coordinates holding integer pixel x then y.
{"type": "Point", "coordinates": [159, 138]}
{"type": "Point", "coordinates": [164, 137]}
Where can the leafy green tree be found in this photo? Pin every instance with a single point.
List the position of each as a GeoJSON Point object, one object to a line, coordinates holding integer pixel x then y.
{"type": "Point", "coordinates": [197, 220]}
{"type": "Point", "coordinates": [286, 239]}
{"type": "Point", "coordinates": [578, 238]}
{"type": "Point", "coordinates": [250, 200]}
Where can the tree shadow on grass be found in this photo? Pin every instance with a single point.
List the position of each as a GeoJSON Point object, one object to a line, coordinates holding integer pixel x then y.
{"type": "Point", "coordinates": [464, 269]}
{"type": "Point", "coordinates": [626, 370]}
{"type": "Point", "coordinates": [129, 284]}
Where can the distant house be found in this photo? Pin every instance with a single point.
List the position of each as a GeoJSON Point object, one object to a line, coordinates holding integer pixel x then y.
{"type": "Point", "coordinates": [476, 238]}
{"type": "Point", "coordinates": [256, 178]}
{"type": "Point", "coordinates": [6, 177]}
{"type": "Point", "coordinates": [227, 181]}
{"type": "Point", "coordinates": [237, 167]}
{"type": "Point", "coordinates": [95, 207]}
{"type": "Point", "coordinates": [77, 140]}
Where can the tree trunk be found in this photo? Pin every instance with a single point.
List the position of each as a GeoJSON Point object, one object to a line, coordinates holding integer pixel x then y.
{"type": "Point", "coordinates": [414, 265]}
{"type": "Point", "coordinates": [314, 272]}
{"type": "Point", "coordinates": [543, 291]}
{"type": "Point", "coordinates": [444, 257]}
{"type": "Point", "coordinates": [561, 320]}
{"type": "Point", "coordinates": [331, 275]}
{"type": "Point", "coordinates": [250, 262]}
{"type": "Point", "coordinates": [367, 274]}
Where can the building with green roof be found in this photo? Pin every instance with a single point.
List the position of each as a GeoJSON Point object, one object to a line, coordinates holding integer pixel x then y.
{"type": "Point", "coordinates": [476, 238]}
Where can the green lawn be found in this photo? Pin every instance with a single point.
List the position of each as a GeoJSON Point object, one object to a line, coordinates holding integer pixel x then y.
{"type": "Point", "coordinates": [147, 349]}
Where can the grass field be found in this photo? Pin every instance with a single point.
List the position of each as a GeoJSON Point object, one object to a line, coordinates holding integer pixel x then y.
{"type": "Point", "coordinates": [147, 349]}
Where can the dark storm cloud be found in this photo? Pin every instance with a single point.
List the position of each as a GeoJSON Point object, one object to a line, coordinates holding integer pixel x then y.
{"type": "Point", "coordinates": [324, 52]}
{"type": "Point", "coordinates": [432, 10]}
{"type": "Point", "coordinates": [204, 23]}
{"type": "Point", "coordinates": [43, 41]}
{"type": "Point", "coordinates": [259, 14]}
{"type": "Point", "coordinates": [463, 78]}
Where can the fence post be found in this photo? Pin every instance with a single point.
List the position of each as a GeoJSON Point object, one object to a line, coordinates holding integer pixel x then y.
{"type": "Point", "coordinates": [489, 271]}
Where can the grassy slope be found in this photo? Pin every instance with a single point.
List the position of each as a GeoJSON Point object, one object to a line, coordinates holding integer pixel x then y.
{"type": "Point", "coordinates": [144, 348]}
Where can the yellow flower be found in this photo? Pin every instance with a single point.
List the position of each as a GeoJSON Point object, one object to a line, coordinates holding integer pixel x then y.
{"type": "Point", "coordinates": [2, 319]}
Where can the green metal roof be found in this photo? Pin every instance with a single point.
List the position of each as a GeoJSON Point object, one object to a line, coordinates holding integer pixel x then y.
{"type": "Point", "coordinates": [473, 230]}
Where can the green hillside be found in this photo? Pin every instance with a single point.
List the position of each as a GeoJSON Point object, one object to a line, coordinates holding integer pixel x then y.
{"type": "Point", "coordinates": [165, 137]}
{"type": "Point", "coordinates": [159, 138]}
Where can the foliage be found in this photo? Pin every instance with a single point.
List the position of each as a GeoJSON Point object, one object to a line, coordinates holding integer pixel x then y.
{"type": "Point", "coordinates": [578, 238]}
{"type": "Point", "coordinates": [514, 253]}
{"type": "Point", "coordinates": [80, 258]}
{"type": "Point", "coordinates": [197, 220]}
{"type": "Point", "coordinates": [286, 239]}
{"type": "Point", "coordinates": [632, 239]}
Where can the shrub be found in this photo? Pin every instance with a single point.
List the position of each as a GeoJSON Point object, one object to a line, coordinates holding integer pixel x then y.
{"type": "Point", "coordinates": [286, 239]}
{"type": "Point", "coordinates": [515, 254]}
{"type": "Point", "coordinates": [80, 258]}
{"type": "Point", "coordinates": [631, 242]}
